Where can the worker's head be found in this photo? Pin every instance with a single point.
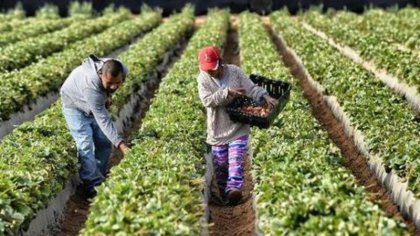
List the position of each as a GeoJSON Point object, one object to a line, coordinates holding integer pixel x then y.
{"type": "Point", "coordinates": [210, 61]}
{"type": "Point", "coordinates": [112, 75]}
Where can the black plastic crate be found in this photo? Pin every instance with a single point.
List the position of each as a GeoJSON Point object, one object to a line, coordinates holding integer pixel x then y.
{"type": "Point", "coordinates": [277, 89]}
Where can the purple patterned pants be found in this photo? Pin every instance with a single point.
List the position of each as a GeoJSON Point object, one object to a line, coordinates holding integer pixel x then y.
{"type": "Point", "coordinates": [228, 161]}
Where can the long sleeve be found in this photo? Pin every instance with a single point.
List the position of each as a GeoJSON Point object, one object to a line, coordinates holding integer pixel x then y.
{"type": "Point", "coordinates": [96, 102]}
{"type": "Point", "coordinates": [212, 99]}
{"type": "Point", "coordinates": [214, 96]}
{"type": "Point", "coordinates": [252, 90]}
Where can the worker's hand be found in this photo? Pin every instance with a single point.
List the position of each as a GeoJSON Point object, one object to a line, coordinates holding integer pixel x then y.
{"type": "Point", "coordinates": [271, 100]}
{"type": "Point", "coordinates": [235, 92]}
{"type": "Point", "coordinates": [123, 148]}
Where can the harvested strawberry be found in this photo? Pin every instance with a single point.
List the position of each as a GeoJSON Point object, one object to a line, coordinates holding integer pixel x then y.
{"type": "Point", "coordinates": [262, 111]}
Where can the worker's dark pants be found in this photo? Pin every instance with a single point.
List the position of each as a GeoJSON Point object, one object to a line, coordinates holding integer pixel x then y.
{"type": "Point", "coordinates": [93, 147]}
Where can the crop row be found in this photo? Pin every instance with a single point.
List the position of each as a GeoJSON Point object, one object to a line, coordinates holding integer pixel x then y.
{"type": "Point", "coordinates": [405, 65]}
{"type": "Point", "coordinates": [32, 30]}
{"type": "Point", "coordinates": [38, 157]}
{"type": "Point", "coordinates": [301, 184]}
{"type": "Point", "coordinates": [389, 127]}
{"type": "Point", "coordinates": [21, 87]}
{"type": "Point", "coordinates": [13, 14]}
{"type": "Point", "coordinates": [389, 27]}
{"type": "Point", "coordinates": [8, 26]}
{"type": "Point", "coordinates": [152, 51]}
{"type": "Point", "coordinates": [23, 53]}
{"type": "Point", "coordinates": [154, 189]}
{"type": "Point", "coordinates": [409, 16]}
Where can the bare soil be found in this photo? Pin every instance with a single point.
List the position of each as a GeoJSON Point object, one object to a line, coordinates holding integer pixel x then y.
{"type": "Point", "coordinates": [353, 160]}
{"type": "Point", "coordinates": [75, 215]}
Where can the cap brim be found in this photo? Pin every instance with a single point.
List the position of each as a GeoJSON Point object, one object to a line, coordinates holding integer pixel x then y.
{"type": "Point", "coordinates": [210, 66]}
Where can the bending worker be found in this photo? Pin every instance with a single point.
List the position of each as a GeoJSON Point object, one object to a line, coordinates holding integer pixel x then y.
{"type": "Point", "coordinates": [85, 96]}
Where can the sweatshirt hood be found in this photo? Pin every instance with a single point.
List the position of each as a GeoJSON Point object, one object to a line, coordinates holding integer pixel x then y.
{"type": "Point", "coordinates": [91, 65]}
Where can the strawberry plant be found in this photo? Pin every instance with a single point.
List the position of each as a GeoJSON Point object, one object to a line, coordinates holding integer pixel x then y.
{"type": "Point", "coordinates": [32, 30]}
{"type": "Point", "coordinates": [405, 65]}
{"type": "Point", "coordinates": [301, 185]}
{"type": "Point", "coordinates": [42, 152]}
{"type": "Point", "coordinates": [152, 52]}
{"type": "Point", "coordinates": [48, 11]}
{"type": "Point", "coordinates": [8, 26]}
{"type": "Point", "coordinates": [28, 51]}
{"type": "Point", "coordinates": [16, 13]}
{"type": "Point", "coordinates": [36, 160]}
{"type": "Point", "coordinates": [388, 27]}
{"type": "Point", "coordinates": [409, 16]}
{"type": "Point", "coordinates": [388, 125]}
{"type": "Point", "coordinates": [155, 190]}
{"type": "Point", "coordinates": [21, 87]}
{"type": "Point", "coordinates": [80, 9]}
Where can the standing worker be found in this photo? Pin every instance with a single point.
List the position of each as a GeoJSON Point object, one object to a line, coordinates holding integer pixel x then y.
{"type": "Point", "coordinates": [85, 96]}
{"type": "Point", "coordinates": [218, 84]}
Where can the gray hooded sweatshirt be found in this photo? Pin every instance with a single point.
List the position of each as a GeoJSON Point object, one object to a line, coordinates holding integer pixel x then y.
{"type": "Point", "coordinates": [83, 90]}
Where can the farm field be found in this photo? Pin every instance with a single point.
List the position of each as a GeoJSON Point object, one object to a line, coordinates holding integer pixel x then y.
{"type": "Point", "coordinates": [342, 158]}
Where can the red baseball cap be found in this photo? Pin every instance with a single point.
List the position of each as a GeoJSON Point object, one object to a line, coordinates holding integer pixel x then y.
{"type": "Point", "coordinates": [208, 58]}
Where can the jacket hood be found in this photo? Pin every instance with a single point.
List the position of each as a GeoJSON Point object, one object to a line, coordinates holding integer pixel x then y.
{"type": "Point", "coordinates": [92, 66]}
